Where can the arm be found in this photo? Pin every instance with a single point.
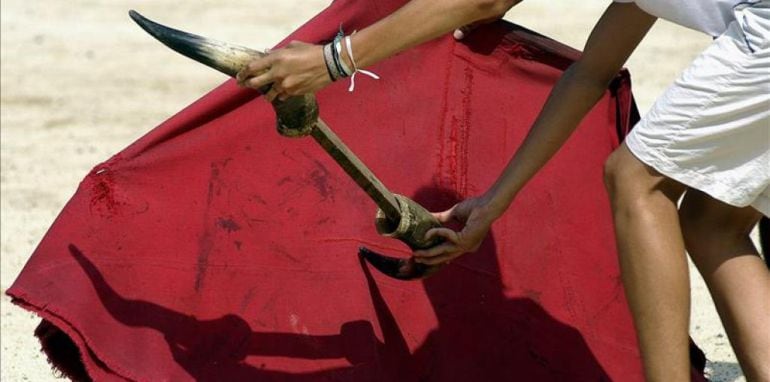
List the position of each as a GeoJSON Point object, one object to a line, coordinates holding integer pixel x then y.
{"type": "Point", "coordinates": [419, 21]}
{"type": "Point", "coordinates": [612, 40]}
{"type": "Point", "coordinates": [299, 68]}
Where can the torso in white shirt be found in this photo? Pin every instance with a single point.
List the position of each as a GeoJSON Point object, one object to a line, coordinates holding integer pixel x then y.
{"type": "Point", "coordinates": [708, 16]}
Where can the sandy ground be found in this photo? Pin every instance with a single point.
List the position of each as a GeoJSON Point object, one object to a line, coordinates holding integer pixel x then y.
{"type": "Point", "coordinates": [76, 89]}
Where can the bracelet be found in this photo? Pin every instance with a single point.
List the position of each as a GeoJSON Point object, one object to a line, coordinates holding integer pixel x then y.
{"type": "Point", "coordinates": [329, 60]}
{"type": "Point", "coordinates": [336, 50]}
{"type": "Point", "coordinates": [349, 45]}
{"type": "Point", "coordinates": [336, 66]}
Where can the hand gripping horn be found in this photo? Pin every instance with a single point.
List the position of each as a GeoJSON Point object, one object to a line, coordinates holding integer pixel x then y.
{"type": "Point", "coordinates": [398, 216]}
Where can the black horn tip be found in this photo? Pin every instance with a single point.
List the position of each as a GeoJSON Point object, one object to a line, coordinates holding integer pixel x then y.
{"type": "Point", "coordinates": [397, 268]}
{"type": "Point", "coordinates": [143, 22]}
{"type": "Point", "coordinates": [137, 17]}
{"type": "Point", "coordinates": [226, 58]}
{"type": "Point", "coordinates": [148, 25]}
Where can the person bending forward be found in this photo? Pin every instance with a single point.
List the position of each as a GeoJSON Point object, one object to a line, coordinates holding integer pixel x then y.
{"type": "Point", "coordinates": [707, 138]}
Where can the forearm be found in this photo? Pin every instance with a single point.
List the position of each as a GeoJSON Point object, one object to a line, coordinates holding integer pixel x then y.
{"type": "Point", "coordinates": [300, 68]}
{"type": "Point", "coordinates": [570, 100]}
{"type": "Point", "coordinates": [612, 40]}
{"type": "Point", "coordinates": [419, 21]}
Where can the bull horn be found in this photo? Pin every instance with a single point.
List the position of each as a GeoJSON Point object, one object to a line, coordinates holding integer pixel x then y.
{"type": "Point", "coordinates": [398, 268]}
{"type": "Point", "coordinates": [226, 58]}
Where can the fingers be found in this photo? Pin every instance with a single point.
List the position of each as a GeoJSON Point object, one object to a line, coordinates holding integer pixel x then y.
{"type": "Point", "coordinates": [440, 254]}
{"type": "Point", "coordinates": [448, 234]}
{"type": "Point", "coordinates": [298, 68]}
{"type": "Point", "coordinates": [424, 255]}
{"type": "Point", "coordinates": [254, 68]}
{"type": "Point", "coordinates": [455, 244]}
{"type": "Point", "coordinates": [259, 81]}
{"type": "Point", "coordinates": [444, 258]}
{"type": "Point", "coordinates": [272, 94]}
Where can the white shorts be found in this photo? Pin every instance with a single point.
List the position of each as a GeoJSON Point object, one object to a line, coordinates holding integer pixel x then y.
{"type": "Point", "coordinates": [710, 130]}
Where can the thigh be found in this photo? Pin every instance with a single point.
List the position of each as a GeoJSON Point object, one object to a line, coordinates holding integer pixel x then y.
{"type": "Point", "coordinates": [704, 214]}
{"type": "Point", "coordinates": [716, 236]}
{"type": "Point", "coordinates": [710, 130]}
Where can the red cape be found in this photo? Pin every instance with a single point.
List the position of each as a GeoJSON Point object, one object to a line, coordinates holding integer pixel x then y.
{"type": "Point", "coordinates": [215, 249]}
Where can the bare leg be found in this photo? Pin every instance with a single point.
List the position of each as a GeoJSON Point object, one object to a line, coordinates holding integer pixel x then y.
{"type": "Point", "coordinates": [653, 263]}
{"type": "Point", "coordinates": [717, 238]}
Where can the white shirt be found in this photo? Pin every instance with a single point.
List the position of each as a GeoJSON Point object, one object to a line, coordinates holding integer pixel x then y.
{"type": "Point", "coordinates": [708, 16]}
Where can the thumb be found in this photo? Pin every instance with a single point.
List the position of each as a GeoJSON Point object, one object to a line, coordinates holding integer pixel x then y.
{"type": "Point", "coordinates": [463, 31]}
{"type": "Point", "coordinates": [444, 216]}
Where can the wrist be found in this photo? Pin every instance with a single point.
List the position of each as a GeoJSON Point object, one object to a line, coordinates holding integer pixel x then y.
{"type": "Point", "coordinates": [345, 55]}
{"type": "Point", "coordinates": [495, 202]}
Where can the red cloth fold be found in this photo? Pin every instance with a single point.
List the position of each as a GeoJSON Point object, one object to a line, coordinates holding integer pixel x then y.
{"type": "Point", "coordinates": [215, 249]}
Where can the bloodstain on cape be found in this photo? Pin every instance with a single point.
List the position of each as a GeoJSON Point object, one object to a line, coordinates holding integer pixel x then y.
{"type": "Point", "coordinates": [215, 249]}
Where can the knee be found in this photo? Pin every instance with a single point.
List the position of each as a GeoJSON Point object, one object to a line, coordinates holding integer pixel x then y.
{"type": "Point", "coordinates": [626, 188]}
{"type": "Point", "coordinates": [612, 173]}
{"type": "Point", "coordinates": [618, 175]}
{"type": "Point", "coordinates": [630, 182]}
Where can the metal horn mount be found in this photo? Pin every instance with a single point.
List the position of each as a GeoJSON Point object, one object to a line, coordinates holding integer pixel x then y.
{"type": "Point", "coordinates": [411, 227]}
{"type": "Point", "coordinates": [398, 217]}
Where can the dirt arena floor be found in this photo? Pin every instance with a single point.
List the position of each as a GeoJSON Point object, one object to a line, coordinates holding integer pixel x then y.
{"type": "Point", "coordinates": [80, 81]}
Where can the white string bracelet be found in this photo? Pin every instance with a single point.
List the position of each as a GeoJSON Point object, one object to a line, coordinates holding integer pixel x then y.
{"type": "Point", "coordinates": [349, 47]}
{"type": "Point", "coordinates": [345, 70]}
